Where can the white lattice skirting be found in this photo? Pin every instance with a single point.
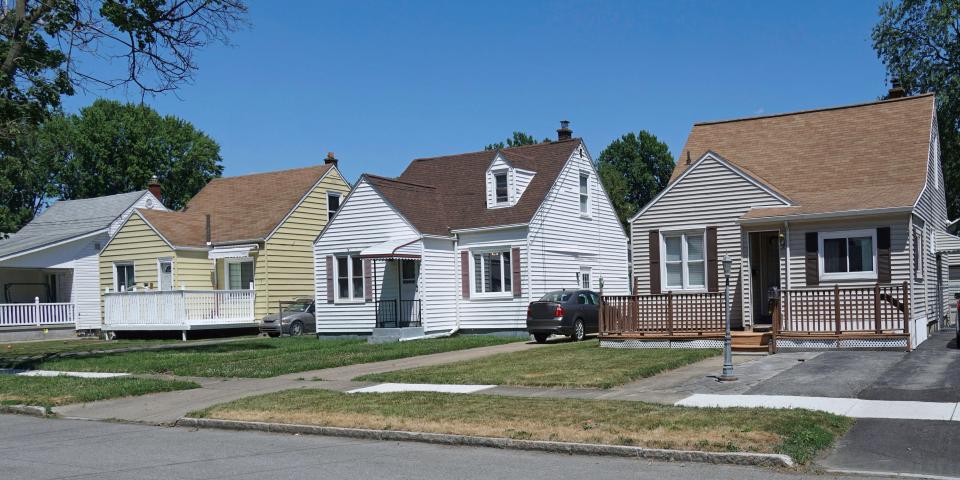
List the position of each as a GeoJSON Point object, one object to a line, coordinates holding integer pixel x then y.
{"type": "Point", "coordinates": [805, 344]}
{"type": "Point", "coordinates": [640, 343]}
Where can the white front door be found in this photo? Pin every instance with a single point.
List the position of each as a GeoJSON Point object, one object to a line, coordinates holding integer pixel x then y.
{"type": "Point", "coordinates": [166, 274]}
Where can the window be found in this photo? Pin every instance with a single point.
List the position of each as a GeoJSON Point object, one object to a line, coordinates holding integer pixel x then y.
{"type": "Point", "coordinates": [954, 272]}
{"type": "Point", "coordinates": [492, 273]}
{"type": "Point", "coordinates": [408, 271]}
{"type": "Point", "coordinates": [848, 255]}
{"type": "Point", "coordinates": [123, 276]}
{"type": "Point", "coordinates": [238, 273]}
{"type": "Point", "coordinates": [333, 204]}
{"type": "Point", "coordinates": [584, 194]}
{"type": "Point", "coordinates": [349, 278]}
{"type": "Point", "coordinates": [684, 265]}
{"type": "Point", "coordinates": [583, 298]}
{"type": "Point", "coordinates": [502, 190]}
{"type": "Point", "coordinates": [918, 253]}
{"type": "Point", "coordinates": [585, 277]}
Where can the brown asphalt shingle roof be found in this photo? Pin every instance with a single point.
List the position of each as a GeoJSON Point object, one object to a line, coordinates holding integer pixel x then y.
{"type": "Point", "coordinates": [441, 194]}
{"type": "Point", "coordinates": [858, 157]}
{"type": "Point", "coordinates": [244, 208]}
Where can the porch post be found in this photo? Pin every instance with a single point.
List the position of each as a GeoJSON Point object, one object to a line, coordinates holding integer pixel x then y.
{"type": "Point", "coordinates": [876, 309]}
{"type": "Point", "coordinates": [36, 310]}
{"type": "Point", "coordinates": [399, 290]}
{"type": "Point", "coordinates": [836, 307]}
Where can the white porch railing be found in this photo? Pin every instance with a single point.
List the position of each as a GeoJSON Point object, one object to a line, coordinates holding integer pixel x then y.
{"type": "Point", "coordinates": [177, 309]}
{"type": "Point", "coordinates": [36, 314]}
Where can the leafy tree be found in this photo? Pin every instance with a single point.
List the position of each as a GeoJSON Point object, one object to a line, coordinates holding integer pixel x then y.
{"type": "Point", "coordinates": [111, 147]}
{"type": "Point", "coordinates": [634, 169]}
{"type": "Point", "coordinates": [518, 139]}
{"type": "Point", "coordinates": [919, 42]}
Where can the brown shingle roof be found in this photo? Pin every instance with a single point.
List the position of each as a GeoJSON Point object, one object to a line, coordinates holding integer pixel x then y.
{"type": "Point", "coordinates": [440, 194]}
{"type": "Point", "coordinates": [858, 157]}
{"type": "Point", "coordinates": [244, 208]}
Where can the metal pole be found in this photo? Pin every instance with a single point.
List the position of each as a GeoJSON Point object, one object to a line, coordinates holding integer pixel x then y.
{"type": "Point", "coordinates": [727, 374]}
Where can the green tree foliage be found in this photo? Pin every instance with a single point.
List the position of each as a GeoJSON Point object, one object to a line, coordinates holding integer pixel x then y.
{"type": "Point", "coordinates": [919, 42]}
{"type": "Point", "coordinates": [111, 147]}
{"type": "Point", "coordinates": [634, 169]}
{"type": "Point", "coordinates": [516, 140]}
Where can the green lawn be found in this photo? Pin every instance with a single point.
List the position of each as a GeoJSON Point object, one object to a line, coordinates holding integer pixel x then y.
{"type": "Point", "coordinates": [11, 351]}
{"type": "Point", "coordinates": [798, 433]}
{"type": "Point", "coordinates": [51, 391]}
{"type": "Point", "coordinates": [578, 365]}
{"type": "Point", "coordinates": [264, 357]}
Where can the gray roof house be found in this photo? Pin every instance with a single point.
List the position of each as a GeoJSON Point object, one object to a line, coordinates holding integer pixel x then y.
{"type": "Point", "coordinates": [49, 269]}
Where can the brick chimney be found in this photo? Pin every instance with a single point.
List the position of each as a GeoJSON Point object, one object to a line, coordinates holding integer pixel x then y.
{"type": "Point", "coordinates": [154, 187]}
{"type": "Point", "coordinates": [331, 160]}
{"type": "Point", "coordinates": [896, 89]}
{"type": "Point", "coordinates": [564, 132]}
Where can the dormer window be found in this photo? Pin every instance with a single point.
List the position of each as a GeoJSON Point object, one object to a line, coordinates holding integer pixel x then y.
{"type": "Point", "coordinates": [502, 189]}
{"type": "Point", "coordinates": [584, 194]}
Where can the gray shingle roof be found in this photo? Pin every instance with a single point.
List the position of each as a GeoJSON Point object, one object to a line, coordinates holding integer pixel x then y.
{"type": "Point", "coordinates": [67, 219]}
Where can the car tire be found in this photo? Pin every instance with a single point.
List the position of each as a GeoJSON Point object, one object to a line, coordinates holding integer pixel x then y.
{"type": "Point", "coordinates": [296, 329]}
{"type": "Point", "coordinates": [273, 334]}
{"type": "Point", "coordinates": [541, 337]}
{"type": "Point", "coordinates": [578, 331]}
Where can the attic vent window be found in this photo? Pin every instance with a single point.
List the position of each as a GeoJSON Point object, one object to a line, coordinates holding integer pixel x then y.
{"type": "Point", "coordinates": [503, 193]}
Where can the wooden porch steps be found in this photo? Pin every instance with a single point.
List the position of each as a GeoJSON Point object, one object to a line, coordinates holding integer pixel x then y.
{"type": "Point", "coordinates": [751, 341]}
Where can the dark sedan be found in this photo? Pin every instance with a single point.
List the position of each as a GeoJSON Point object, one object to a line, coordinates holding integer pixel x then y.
{"type": "Point", "coordinates": [573, 313]}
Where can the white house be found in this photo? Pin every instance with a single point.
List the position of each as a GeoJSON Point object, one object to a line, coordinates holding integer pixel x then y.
{"type": "Point", "coordinates": [464, 242]}
{"type": "Point", "coordinates": [49, 270]}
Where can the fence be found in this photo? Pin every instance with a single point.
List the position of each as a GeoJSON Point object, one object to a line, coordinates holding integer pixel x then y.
{"type": "Point", "coordinates": [36, 314]}
{"type": "Point", "coordinates": [879, 309]}
{"type": "Point", "coordinates": [668, 314]}
{"type": "Point", "coordinates": [177, 309]}
{"type": "Point", "coordinates": [398, 313]}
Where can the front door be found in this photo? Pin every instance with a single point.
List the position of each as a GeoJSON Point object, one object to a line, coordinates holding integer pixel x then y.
{"type": "Point", "coordinates": [409, 305]}
{"type": "Point", "coordinates": [166, 274]}
{"type": "Point", "coordinates": [764, 274]}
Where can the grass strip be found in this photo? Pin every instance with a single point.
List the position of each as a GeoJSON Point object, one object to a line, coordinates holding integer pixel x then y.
{"type": "Point", "coordinates": [62, 390]}
{"type": "Point", "coordinates": [572, 365]}
{"type": "Point", "coordinates": [266, 357]}
{"type": "Point", "coordinates": [798, 433]}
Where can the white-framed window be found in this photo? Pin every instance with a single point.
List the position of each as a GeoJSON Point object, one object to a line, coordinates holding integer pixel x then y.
{"type": "Point", "coordinates": [585, 194]}
{"type": "Point", "coordinates": [501, 185]}
{"type": "Point", "coordinates": [492, 273]}
{"type": "Point", "coordinates": [918, 253]}
{"type": "Point", "coordinates": [683, 260]}
{"type": "Point", "coordinates": [165, 273]}
{"type": "Point", "coordinates": [333, 204]}
{"type": "Point", "coordinates": [348, 272]}
{"type": "Point", "coordinates": [124, 276]}
{"type": "Point", "coordinates": [237, 273]}
{"type": "Point", "coordinates": [848, 255]}
{"type": "Point", "coordinates": [585, 277]}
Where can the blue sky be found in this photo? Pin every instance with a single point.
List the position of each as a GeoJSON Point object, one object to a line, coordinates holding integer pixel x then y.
{"type": "Point", "coordinates": [381, 83]}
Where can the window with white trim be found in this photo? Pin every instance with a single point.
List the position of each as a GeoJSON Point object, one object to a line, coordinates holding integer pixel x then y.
{"type": "Point", "coordinates": [584, 194]}
{"type": "Point", "coordinates": [492, 273]}
{"type": "Point", "coordinates": [918, 253]}
{"type": "Point", "coordinates": [501, 187]}
{"type": "Point", "coordinates": [848, 255]}
{"type": "Point", "coordinates": [684, 260]}
{"type": "Point", "coordinates": [124, 278]}
{"type": "Point", "coordinates": [333, 204]}
{"type": "Point", "coordinates": [585, 277]}
{"type": "Point", "coordinates": [349, 275]}
{"type": "Point", "coordinates": [238, 273]}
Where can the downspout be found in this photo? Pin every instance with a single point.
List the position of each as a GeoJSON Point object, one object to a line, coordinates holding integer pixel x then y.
{"type": "Point", "coordinates": [456, 305]}
{"type": "Point", "coordinates": [786, 263]}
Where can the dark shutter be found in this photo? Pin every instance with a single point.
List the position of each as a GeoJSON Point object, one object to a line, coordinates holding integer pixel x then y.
{"type": "Point", "coordinates": [329, 279]}
{"type": "Point", "coordinates": [367, 280]}
{"type": "Point", "coordinates": [515, 264]}
{"type": "Point", "coordinates": [883, 255]}
{"type": "Point", "coordinates": [654, 240]}
{"type": "Point", "coordinates": [811, 259]}
{"type": "Point", "coordinates": [465, 274]}
{"type": "Point", "coordinates": [713, 280]}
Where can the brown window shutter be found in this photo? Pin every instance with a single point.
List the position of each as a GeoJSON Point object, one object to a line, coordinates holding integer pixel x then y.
{"type": "Point", "coordinates": [883, 255]}
{"type": "Point", "coordinates": [367, 280]}
{"type": "Point", "coordinates": [654, 238]}
{"type": "Point", "coordinates": [465, 274]}
{"type": "Point", "coordinates": [329, 279]}
{"type": "Point", "coordinates": [713, 280]}
{"type": "Point", "coordinates": [811, 259]}
{"type": "Point", "coordinates": [515, 264]}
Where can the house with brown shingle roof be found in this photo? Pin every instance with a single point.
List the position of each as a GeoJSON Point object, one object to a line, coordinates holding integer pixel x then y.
{"type": "Point", "coordinates": [830, 217]}
{"type": "Point", "coordinates": [240, 246]}
{"type": "Point", "coordinates": [464, 242]}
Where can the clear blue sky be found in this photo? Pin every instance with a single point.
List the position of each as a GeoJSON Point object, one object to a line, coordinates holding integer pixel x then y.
{"type": "Point", "coordinates": [381, 83]}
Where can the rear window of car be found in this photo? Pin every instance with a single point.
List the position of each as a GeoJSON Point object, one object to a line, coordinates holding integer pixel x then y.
{"type": "Point", "coordinates": [558, 297]}
{"type": "Point", "coordinates": [297, 307]}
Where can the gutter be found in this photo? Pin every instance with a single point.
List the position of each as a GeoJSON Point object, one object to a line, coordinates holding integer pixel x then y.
{"type": "Point", "coordinates": [823, 216]}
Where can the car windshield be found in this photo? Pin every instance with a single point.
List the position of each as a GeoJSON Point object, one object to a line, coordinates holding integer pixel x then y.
{"type": "Point", "coordinates": [558, 296]}
{"type": "Point", "coordinates": [297, 307]}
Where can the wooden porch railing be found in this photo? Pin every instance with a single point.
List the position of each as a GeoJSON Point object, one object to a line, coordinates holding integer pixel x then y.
{"type": "Point", "coordinates": [668, 314]}
{"type": "Point", "coordinates": [878, 310]}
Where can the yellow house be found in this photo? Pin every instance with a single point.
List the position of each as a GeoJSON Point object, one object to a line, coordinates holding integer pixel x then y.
{"type": "Point", "coordinates": [239, 247]}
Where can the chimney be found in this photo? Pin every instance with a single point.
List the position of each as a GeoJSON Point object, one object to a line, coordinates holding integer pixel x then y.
{"type": "Point", "coordinates": [564, 132]}
{"type": "Point", "coordinates": [331, 160]}
{"type": "Point", "coordinates": [209, 235]}
{"type": "Point", "coordinates": [896, 90]}
{"type": "Point", "coordinates": [154, 187]}
{"type": "Point", "coordinates": [688, 157]}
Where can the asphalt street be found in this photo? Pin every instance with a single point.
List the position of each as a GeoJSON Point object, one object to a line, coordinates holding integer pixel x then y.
{"type": "Point", "coordinates": [46, 449]}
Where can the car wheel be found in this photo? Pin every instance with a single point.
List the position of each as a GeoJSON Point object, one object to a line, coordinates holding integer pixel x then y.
{"type": "Point", "coordinates": [541, 337]}
{"type": "Point", "coordinates": [296, 329]}
{"type": "Point", "coordinates": [578, 332]}
{"type": "Point", "coordinates": [273, 334]}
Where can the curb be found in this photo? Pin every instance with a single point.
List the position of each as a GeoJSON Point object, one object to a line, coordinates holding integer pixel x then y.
{"type": "Point", "coordinates": [25, 410]}
{"type": "Point", "coordinates": [732, 458]}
